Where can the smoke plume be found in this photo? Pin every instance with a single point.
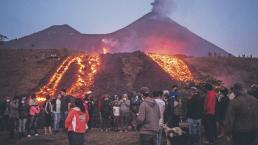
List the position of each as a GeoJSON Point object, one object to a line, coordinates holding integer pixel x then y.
{"type": "Point", "coordinates": [163, 7]}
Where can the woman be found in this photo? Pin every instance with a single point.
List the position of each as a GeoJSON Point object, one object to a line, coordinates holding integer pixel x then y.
{"type": "Point", "coordinates": [48, 108]}
{"type": "Point", "coordinates": [33, 116]}
{"type": "Point", "coordinates": [75, 123]}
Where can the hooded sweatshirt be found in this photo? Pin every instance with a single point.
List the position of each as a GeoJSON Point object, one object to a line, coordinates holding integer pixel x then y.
{"type": "Point", "coordinates": [76, 120]}
{"type": "Point", "coordinates": [148, 117]}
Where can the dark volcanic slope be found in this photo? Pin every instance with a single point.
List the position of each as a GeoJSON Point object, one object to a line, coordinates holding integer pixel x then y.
{"type": "Point", "coordinates": [126, 72]}
{"type": "Point", "coordinates": [152, 32]}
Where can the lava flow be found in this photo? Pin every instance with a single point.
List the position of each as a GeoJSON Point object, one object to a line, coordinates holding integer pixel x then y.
{"type": "Point", "coordinates": [175, 67]}
{"type": "Point", "coordinates": [87, 68]}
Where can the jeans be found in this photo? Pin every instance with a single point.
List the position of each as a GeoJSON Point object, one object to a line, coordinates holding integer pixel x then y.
{"type": "Point", "coordinates": [33, 124]}
{"type": "Point", "coordinates": [13, 124]}
{"type": "Point", "coordinates": [148, 139]}
{"type": "Point", "coordinates": [210, 128]}
{"type": "Point", "coordinates": [124, 119]}
{"type": "Point", "coordinates": [22, 125]}
{"type": "Point", "coordinates": [159, 136]}
{"type": "Point", "coordinates": [195, 131]}
{"type": "Point", "coordinates": [57, 118]}
{"type": "Point", "coordinates": [75, 138]}
{"type": "Point", "coordinates": [63, 116]}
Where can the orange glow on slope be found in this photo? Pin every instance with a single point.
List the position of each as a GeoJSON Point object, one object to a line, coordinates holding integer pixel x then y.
{"type": "Point", "coordinates": [89, 64]}
{"type": "Point", "coordinates": [51, 87]}
{"type": "Point", "coordinates": [105, 50]}
{"type": "Point", "coordinates": [175, 67]}
{"type": "Point", "coordinates": [87, 68]}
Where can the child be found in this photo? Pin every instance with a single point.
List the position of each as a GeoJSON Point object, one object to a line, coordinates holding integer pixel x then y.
{"type": "Point", "coordinates": [116, 113]}
{"type": "Point", "coordinates": [33, 116]}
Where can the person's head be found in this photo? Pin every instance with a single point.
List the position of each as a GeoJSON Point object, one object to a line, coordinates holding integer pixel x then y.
{"type": "Point", "coordinates": [145, 91]}
{"type": "Point", "coordinates": [174, 88]}
{"type": "Point", "coordinates": [59, 96]}
{"type": "Point", "coordinates": [208, 87]}
{"type": "Point", "coordinates": [63, 92]}
{"type": "Point", "coordinates": [15, 98]}
{"type": "Point", "coordinates": [33, 96]}
{"type": "Point", "coordinates": [48, 98]}
{"type": "Point", "coordinates": [79, 103]}
{"type": "Point", "coordinates": [125, 97]}
{"type": "Point", "coordinates": [7, 99]}
{"type": "Point", "coordinates": [157, 94]}
{"type": "Point", "coordinates": [237, 89]}
{"type": "Point", "coordinates": [194, 90]}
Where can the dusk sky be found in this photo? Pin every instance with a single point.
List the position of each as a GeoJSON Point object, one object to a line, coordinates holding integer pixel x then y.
{"type": "Point", "coordinates": [230, 24]}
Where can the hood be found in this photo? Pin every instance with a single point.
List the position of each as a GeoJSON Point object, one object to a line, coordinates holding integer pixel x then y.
{"type": "Point", "coordinates": [150, 101]}
{"type": "Point", "coordinates": [76, 109]}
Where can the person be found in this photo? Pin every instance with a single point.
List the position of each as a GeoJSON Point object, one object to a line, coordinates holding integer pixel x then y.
{"type": "Point", "coordinates": [65, 106]}
{"type": "Point", "coordinates": [242, 117]}
{"type": "Point", "coordinates": [88, 98]}
{"type": "Point", "coordinates": [136, 100]}
{"type": "Point", "coordinates": [76, 122]}
{"type": "Point", "coordinates": [23, 116]}
{"type": "Point", "coordinates": [222, 102]}
{"type": "Point", "coordinates": [6, 111]}
{"type": "Point", "coordinates": [231, 95]}
{"type": "Point", "coordinates": [116, 116]}
{"type": "Point", "coordinates": [195, 111]}
{"type": "Point", "coordinates": [56, 105]}
{"type": "Point", "coordinates": [254, 91]}
{"type": "Point", "coordinates": [48, 109]}
{"type": "Point", "coordinates": [209, 118]}
{"type": "Point", "coordinates": [106, 112]}
{"type": "Point", "coordinates": [13, 116]}
{"type": "Point", "coordinates": [33, 116]}
{"type": "Point", "coordinates": [125, 113]}
{"type": "Point", "coordinates": [157, 95]}
{"type": "Point", "coordinates": [148, 118]}
{"type": "Point", "coordinates": [176, 106]}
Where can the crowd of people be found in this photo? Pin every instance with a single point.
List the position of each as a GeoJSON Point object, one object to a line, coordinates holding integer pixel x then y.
{"type": "Point", "coordinates": [205, 113]}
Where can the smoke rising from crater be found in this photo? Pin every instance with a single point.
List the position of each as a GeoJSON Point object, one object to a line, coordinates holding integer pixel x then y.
{"type": "Point", "coordinates": [164, 7]}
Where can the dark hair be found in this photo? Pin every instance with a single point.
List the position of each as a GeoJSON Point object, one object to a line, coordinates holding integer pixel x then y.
{"type": "Point", "coordinates": [174, 86]}
{"type": "Point", "coordinates": [33, 96]}
{"type": "Point", "coordinates": [63, 90]}
{"type": "Point", "coordinates": [157, 94]}
{"type": "Point", "coordinates": [48, 97]}
{"type": "Point", "coordinates": [79, 103]}
{"type": "Point", "coordinates": [208, 87]}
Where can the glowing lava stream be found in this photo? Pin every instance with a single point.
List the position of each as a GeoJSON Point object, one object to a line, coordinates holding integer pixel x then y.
{"type": "Point", "coordinates": [83, 80]}
{"type": "Point", "coordinates": [175, 67]}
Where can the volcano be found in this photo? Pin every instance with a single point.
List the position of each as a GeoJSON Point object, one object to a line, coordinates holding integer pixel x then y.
{"type": "Point", "coordinates": [153, 32]}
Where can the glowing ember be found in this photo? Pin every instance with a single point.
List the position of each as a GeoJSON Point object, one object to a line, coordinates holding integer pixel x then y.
{"type": "Point", "coordinates": [87, 68]}
{"type": "Point", "coordinates": [105, 50]}
{"type": "Point", "coordinates": [175, 67]}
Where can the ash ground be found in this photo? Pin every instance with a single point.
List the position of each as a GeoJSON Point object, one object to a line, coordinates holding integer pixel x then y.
{"type": "Point", "coordinates": [93, 137]}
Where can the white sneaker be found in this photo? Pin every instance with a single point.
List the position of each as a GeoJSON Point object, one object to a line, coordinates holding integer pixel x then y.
{"type": "Point", "coordinates": [36, 134]}
{"type": "Point", "coordinates": [28, 135]}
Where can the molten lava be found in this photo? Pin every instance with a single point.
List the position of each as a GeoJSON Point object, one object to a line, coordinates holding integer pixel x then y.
{"type": "Point", "coordinates": [175, 67]}
{"type": "Point", "coordinates": [87, 68]}
{"type": "Point", "coordinates": [105, 50]}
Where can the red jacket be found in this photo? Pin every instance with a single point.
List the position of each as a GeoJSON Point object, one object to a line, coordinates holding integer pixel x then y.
{"type": "Point", "coordinates": [76, 120]}
{"type": "Point", "coordinates": [34, 110]}
{"type": "Point", "coordinates": [210, 102]}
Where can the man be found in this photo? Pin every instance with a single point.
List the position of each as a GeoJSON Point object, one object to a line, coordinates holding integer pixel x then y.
{"type": "Point", "coordinates": [242, 118]}
{"type": "Point", "coordinates": [194, 115]}
{"type": "Point", "coordinates": [90, 102]}
{"type": "Point", "coordinates": [157, 95]}
{"type": "Point", "coordinates": [148, 118]}
{"type": "Point", "coordinates": [209, 118]}
{"type": "Point", "coordinates": [13, 116]}
{"type": "Point", "coordinates": [65, 106]}
{"type": "Point", "coordinates": [56, 103]}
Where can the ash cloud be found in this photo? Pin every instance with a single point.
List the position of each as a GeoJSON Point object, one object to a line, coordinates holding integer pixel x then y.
{"type": "Point", "coordinates": [164, 7]}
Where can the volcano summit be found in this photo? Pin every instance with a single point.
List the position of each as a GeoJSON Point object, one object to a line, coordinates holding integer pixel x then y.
{"type": "Point", "coordinates": [153, 32]}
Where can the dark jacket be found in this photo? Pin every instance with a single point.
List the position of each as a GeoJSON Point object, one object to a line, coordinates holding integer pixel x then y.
{"type": "Point", "coordinates": [24, 111]}
{"type": "Point", "coordinates": [14, 112]}
{"type": "Point", "coordinates": [65, 101]}
{"type": "Point", "coordinates": [242, 115]}
{"type": "Point", "coordinates": [221, 107]}
{"type": "Point", "coordinates": [148, 117]}
{"type": "Point", "coordinates": [195, 107]}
